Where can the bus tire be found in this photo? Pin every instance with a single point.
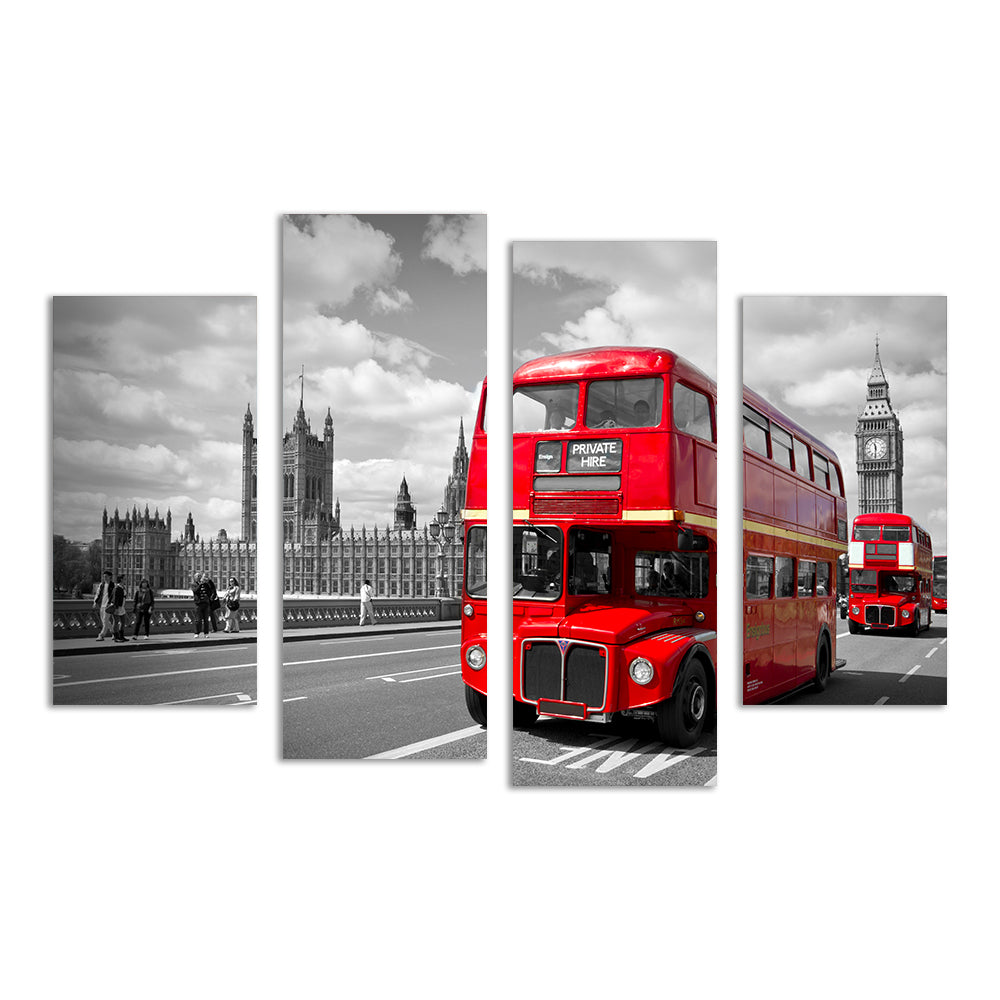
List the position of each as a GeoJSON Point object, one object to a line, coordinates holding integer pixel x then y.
{"type": "Point", "coordinates": [822, 664]}
{"type": "Point", "coordinates": [680, 719]}
{"type": "Point", "coordinates": [853, 627]}
{"type": "Point", "coordinates": [476, 704]}
{"type": "Point", "coordinates": [525, 715]}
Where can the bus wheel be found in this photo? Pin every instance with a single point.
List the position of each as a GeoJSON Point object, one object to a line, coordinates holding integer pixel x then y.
{"type": "Point", "coordinates": [853, 626]}
{"type": "Point", "coordinates": [681, 719]}
{"type": "Point", "coordinates": [476, 704]}
{"type": "Point", "coordinates": [822, 665]}
{"type": "Point", "coordinates": [525, 715]}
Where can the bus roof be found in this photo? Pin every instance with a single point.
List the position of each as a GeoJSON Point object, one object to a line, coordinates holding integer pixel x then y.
{"type": "Point", "coordinates": [887, 518]}
{"type": "Point", "coordinates": [759, 403]}
{"type": "Point", "coordinates": [608, 362]}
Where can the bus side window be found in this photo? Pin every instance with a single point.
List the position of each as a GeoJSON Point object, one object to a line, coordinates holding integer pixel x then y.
{"type": "Point", "coordinates": [801, 459]}
{"type": "Point", "coordinates": [821, 470]}
{"type": "Point", "coordinates": [781, 446]}
{"type": "Point", "coordinates": [760, 570]}
{"type": "Point", "coordinates": [692, 412]}
{"type": "Point", "coordinates": [822, 579]}
{"type": "Point", "coordinates": [807, 578]}
{"type": "Point", "coordinates": [755, 431]}
{"type": "Point", "coordinates": [784, 576]}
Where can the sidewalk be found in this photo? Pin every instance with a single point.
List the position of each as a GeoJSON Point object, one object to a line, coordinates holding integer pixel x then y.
{"type": "Point", "coordinates": [176, 640]}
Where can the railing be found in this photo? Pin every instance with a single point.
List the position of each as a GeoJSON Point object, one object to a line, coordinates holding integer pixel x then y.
{"type": "Point", "coordinates": [320, 612]}
{"type": "Point", "coordinates": [79, 619]}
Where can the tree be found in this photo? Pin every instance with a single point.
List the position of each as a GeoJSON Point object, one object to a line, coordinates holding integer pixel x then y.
{"type": "Point", "coordinates": [73, 567]}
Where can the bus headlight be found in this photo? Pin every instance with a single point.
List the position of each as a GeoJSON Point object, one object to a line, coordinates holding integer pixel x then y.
{"type": "Point", "coordinates": [906, 613]}
{"type": "Point", "coordinates": [468, 611]}
{"type": "Point", "coordinates": [699, 616]}
{"type": "Point", "coordinates": [640, 670]}
{"type": "Point", "coordinates": [475, 656]}
{"type": "Point", "coordinates": [855, 610]}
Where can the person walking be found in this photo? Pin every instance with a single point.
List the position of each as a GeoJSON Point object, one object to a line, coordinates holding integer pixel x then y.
{"type": "Point", "coordinates": [367, 603]}
{"type": "Point", "coordinates": [233, 606]}
{"type": "Point", "coordinates": [104, 607]}
{"type": "Point", "coordinates": [213, 601]}
{"type": "Point", "coordinates": [118, 600]}
{"type": "Point", "coordinates": [202, 601]}
{"type": "Point", "coordinates": [142, 605]}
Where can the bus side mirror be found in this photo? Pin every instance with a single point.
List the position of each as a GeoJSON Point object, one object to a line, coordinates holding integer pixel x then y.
{"type": "Point", "coordinates": [688, 541]}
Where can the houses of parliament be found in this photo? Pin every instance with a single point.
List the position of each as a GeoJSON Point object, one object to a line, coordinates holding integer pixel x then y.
{"type": "Point", "coordinates": [320, 557]}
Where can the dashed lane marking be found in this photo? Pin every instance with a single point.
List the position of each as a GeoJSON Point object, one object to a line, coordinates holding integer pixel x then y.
{"type": "Point", "coordinates": [368, 638]}
{"type": "Point", "coordinates": [207, 697]}
{"type": "Point", "coordinates": [434, 677]}
{"type": "Point", "coordinates": [160, 673]}
{"type": "Point", "coordinates": [841, 635]}
{"type": "Point", "coordinates": [365, 656]}
{"type": "Point", "coordinates": [301, 697]}
{"type": "Point", "coordinates": [712, 782]}
{"type": "Point", "coordinates": [882, 700]}
{"type": "Point", "coordinates": [943, 641]}
{"type": "Point", "coordinates": [909, 673]}
{"type": "Point", "coordinates": [403, 673]}
{"type": "Point", "coordinates": [434, 741]}
{"type": "Point", "coordinates": [928, 655]}
{"type": "Point", "coordinates": [60, 677]}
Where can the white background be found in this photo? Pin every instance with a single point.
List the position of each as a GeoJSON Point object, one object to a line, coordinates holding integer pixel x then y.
{"type": "Point", "coordinates": [151, 149]}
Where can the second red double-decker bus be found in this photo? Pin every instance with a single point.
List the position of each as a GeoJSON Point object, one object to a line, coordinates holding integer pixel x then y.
{"type": "Point", "coordinates": [891, 565]}
{"type": "Point", "coordinates": [474, 578]}
{"type": "Point", "coordinates": [794, 531]}
{"type": "Point", "coordinates": [940, 599]}
{"type": "Point", "coordinates": [614, 561]}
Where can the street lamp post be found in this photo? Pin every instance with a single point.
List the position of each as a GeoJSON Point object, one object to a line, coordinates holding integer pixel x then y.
{"type": "Point", "coordinates": [443, 532]}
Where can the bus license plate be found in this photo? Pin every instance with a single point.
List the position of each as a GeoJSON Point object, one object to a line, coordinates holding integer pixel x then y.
{"type": "Point", "coordinates": [562, 709]}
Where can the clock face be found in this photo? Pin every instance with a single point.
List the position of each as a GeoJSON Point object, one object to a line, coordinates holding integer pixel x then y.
{"type": "Point", "coordinates": [875, 448]}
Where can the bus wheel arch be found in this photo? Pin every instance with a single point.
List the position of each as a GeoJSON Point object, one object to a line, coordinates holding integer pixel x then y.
{"type": "Point", "coordinates": [475, 702]}
{"type": "Point", "coordinates": [824, 660]}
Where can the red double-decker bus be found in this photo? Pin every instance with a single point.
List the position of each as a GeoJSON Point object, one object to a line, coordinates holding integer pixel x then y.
{"type": "Point", "coordinates": [474, 577]}
{"type": "Point", "coordinates": [614, 560]}
{"type": "Point", "coordinates": [794, 530]}
{"type": "Point", "coordinates": [939, 603]}
{"type": "Point", "coordinates": [891, 561]}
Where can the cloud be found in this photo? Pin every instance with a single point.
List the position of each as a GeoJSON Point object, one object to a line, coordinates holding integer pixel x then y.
{"type": "Point", "coordinates": [327, 260]}
{"type": "Point", "coordinates": [391, 301]}
{"type": "Point", "coordinates": [459, 241]}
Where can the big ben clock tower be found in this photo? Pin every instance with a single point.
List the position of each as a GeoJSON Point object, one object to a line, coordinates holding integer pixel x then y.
{"type": "Point", "coordinates": [879, 443]}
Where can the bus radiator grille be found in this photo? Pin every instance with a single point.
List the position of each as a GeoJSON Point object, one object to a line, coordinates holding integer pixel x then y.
{"type": "Point", "coordinates": [542, 672]}
{"type": "Point", "coordinates": [880, 614]}
{"type": "Point", "coordinates": [585, 678]}
{"type": "Point", "coordinates": [578, 505]}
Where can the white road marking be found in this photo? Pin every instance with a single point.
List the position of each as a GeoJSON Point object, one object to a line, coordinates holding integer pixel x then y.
{"type": "Point", "coordinates": [410, 680]}
{"type": "Point", "coordinates": [840, 635]}
{"type": "Point", "coordinates": [161, 673]}
{"type": "Point", "coordinates": [927, 656]}
{"type": "Point", "coordinates": [60, 677]}
{"type": "Point", "coordinates": [434, 741]}
{"type": "Point", "coordinates": [371, 638]}
{"type": "Point", "coordinates": [620, 753]}
{"type": "Point", "coordinates": [664, 760]}
{"type": "Point", "coordinates": [301, 697]}
{"type": "Point", "coordinates": [163, 652]}
{"type": "Point", "coordinates": [570, 752]}
{"type": "Point", "coordinates": [911, 671]}
{"type": "Point", "coordinates": [712, 782]}
{"type": "Point", "coordinates": [882, 700]}
{"type": "Point", "coordinates": [239, 704]}
{"type": "Point", "coordinates": [244, 697]}
{"type": "Point", "coordinates": [403, 673]}
{"type": "Point", "coordinates": [207, 697]}
{"type": "Point", "coordinates": [365, 656]}
{"type": "Point", "coordinates": [943, 641]}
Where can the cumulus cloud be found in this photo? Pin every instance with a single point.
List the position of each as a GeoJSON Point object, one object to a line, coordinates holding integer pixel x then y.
{"type": "Point", "coordinates": [390, 301]}
{"type": "Point", "coordinates": [459, 241]}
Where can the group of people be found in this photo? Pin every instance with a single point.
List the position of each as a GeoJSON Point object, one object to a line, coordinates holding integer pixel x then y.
{"type": "Point", "coordinates": [109, 602]}
{"type": "Point", "coordinates": [207, 603]}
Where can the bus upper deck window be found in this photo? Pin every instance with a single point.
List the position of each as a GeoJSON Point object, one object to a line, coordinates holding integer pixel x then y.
{"type": "Point", "coordinates": [866, 532]}
{"type": "Point", "coordinates": [821, 471]}
{"type": "Point", "coordinates": [545, 408]}
{"type": "Point", "coordinates": [625, 402]}
{"type": "Point", "coordinates": [692, 412]}
{"type": "Point", "coordinates": [755, 431]}
{"type": "Point", "coordinates": [896, 532]}
{"type": "Point", "coordinates": [781, 446]}
{"type": "Point", "coordinates": [801, 459]}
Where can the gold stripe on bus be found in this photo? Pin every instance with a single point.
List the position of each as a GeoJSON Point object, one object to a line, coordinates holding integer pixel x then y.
{"type": "Point", "coordinates": [669, 515]}
{"type": "Point", "coordinates": [472, 515]}
{"type": "Point", "coordinates": [794, 536]}
{"type": "Point", "coordinates": [520, 515]}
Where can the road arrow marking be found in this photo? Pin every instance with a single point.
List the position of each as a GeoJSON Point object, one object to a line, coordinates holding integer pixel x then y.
{"type": "Point", "coordinates": [410, 680]}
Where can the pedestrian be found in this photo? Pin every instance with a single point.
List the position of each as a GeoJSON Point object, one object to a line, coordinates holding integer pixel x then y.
{"type": "Point", "coordinates": [202, 600]}
{"type": "Point", "coordinates": [142, 605]}
{"type": "Point", "coordinates": [233, 606]}
{"type": "Point", "coordinates": [118, 600]}
{"type": "Point", "coordinates": [213, 601]}
{"type": "Point", "coordinates": [104, 607]}
{"type": "Point", "coordinates": [367, 605]}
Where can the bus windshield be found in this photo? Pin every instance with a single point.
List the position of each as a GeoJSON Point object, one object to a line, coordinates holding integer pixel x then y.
{"type": "Point", "coordinates": [545, 407]}
{"type": "Point", "coordinates": [898, 583]}
{"type": "Point", "coordinates": [475, 561]}
{"type": "Point", "coordinates": [627, 402]}
{"type": "Point", "coordinates": [589, 561]}
{"type": "Point", "coordinates": [671, 574]}
{"type": "Point", "coordinates": [538, 562]}
{"type": "Point", "coordinates": [863, 581]}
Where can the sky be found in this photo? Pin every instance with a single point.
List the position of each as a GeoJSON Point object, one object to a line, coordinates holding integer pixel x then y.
{"type": "Point", "coordinates": [149, 395]}
{"type": "Point", "coordinates": [572, 295]}
{"type": "Point", "coordinates": [387, 314]}
{"type": "Point", "coordinates": [811, 356]}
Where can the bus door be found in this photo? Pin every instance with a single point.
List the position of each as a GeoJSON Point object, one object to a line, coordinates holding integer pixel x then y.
{"type": "Point", "coordinates": [763, 668]}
